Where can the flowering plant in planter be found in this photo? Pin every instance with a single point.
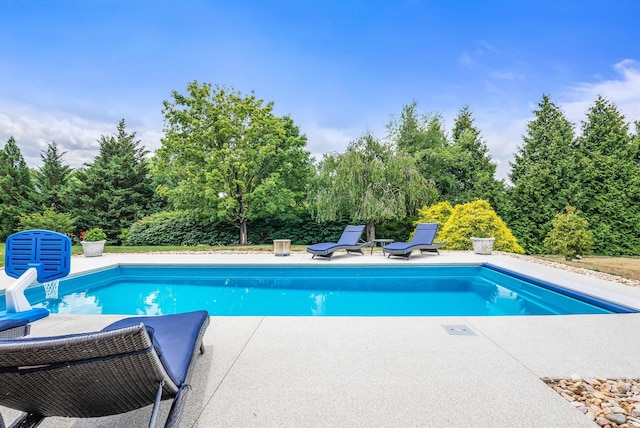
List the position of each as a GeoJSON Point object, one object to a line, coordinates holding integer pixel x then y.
{"type": "Point", "coordinates": [93, 235]}
{"type": "Point", "coordinates": [93, 241]}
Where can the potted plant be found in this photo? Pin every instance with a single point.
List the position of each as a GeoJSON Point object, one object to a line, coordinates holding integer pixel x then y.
{"type": "Point", "coordinates": [482, 242]}
{"type": "Point", "coordinates": [93, 241]}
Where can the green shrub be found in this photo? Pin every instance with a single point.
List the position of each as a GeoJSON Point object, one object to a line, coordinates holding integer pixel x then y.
{"type": "Point", "coordinates": [178, 228]}
{"type": "Point", "coordinates": [570, 235]}
{"type": "Point", "coordinates": [48, 220]}
{"type": "Point", "coordinates": [474, 219]}
{"type": "Point", "coordinates": [398, 230]}
{"type": "Point", "coordinates": [438, 213]}
{"type": "Point", "coordinates": [93, 235]}
{"type": "Point", "coordinates": [185, 228]}
{"type": "Point", "coordinates": [124, 236]}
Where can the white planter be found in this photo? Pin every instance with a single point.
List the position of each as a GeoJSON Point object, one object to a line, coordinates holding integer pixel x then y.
{"type": "Point", "coordinates": [482, 245]}
{"type": "Point", "coordinates": [282, 247]}
{"type": "Point", "coordinates": [93, 248]}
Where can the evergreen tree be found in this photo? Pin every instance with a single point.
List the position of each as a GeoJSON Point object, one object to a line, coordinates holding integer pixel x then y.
{"type": "Point", "coordinates": [636, 143]}
{"type": "Point", "coordinates": [607, 172]}
{"type": "Point", "coordinates": [462, 170]}
{"type": "Point", "coordinates": [413, 133]}
{"type": "Point", "coordinates": [115, 190]}
{"type": "Point", "coordinates": [472, 165]}
{"type": "Point", "coordinates": [424, 137]}
{"type": "Point", "coordinates": [51, 180]}
{"type": "Point", "coordinates": [541, 175]}
{"type": "Point", "coordinates": [17, 192]}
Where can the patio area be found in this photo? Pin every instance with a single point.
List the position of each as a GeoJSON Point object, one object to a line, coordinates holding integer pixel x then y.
{"type": "Point", "coordinates": [385, 371]}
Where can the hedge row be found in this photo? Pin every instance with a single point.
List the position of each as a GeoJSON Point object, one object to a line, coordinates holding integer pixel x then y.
{"type": "Point", "coordinates": [182, 228]}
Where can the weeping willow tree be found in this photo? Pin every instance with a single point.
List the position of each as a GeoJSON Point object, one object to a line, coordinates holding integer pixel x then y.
{"type": "Point", "coordinates": [369, 183]}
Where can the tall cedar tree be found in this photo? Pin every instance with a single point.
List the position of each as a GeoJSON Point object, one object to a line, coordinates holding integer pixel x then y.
{"type": "Point", "coordinates": [115, 190]}
{"type": "Point", "coordinates": [369, 183]}
{"type": "Point", "coordinates": [52, 179]}
{"type": "Point", "coordinates": [543, 183]}
{"type": "Point", "coordinates": [424, 138]}
{"type": "Point", "coordinates": [227, 155]}
{"type": "Point", "coordinates": [472, 165]}
{"type": "Point", "coordinates": [462, 170]}
{"type": "Point", "coordinates": [17, 193]}
{"type": "Point", "coordinates": [609, 180]}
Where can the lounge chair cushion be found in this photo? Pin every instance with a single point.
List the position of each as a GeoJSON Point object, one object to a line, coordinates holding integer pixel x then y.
{"type": "Point", "coordinates": [173, 337]}
{"type": "Point", "coordinates": [348, 241]}
{"type": "Point", "coordinates": [6, 324]}
{"type": "Point", "coordinates": [323, 246]}
{"type": "Point", "coordinates": [422, 240]}
{"type": "Point", "coordinates": [31, 315]}
{"type": "Point", "coordinates": [14, 327]}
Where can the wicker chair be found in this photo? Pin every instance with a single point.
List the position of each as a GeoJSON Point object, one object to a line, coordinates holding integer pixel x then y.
{"type": "Point", "coordinates": [349, 241]}
{"type": "Point", "coordinates": [11, 328]}
{"type": "Point", "coordinates": [422, 240]}
{"type": "Point", "coordinates": [128, 365]}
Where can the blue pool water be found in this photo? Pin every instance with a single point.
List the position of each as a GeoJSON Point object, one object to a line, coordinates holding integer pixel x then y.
{"type": "Point", "coordinates": [313, 291]}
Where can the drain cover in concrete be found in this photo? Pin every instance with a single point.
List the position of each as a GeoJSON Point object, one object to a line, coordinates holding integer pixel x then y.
{"type": "Point", "coordinates": [460, 330]}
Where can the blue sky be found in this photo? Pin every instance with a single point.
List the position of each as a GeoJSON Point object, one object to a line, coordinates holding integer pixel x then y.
{"type": "Point", "coordinates": [70, 70]}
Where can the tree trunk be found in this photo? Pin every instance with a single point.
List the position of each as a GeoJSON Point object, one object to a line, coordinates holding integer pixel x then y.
{"type": "Point", "coordinates": [243, 232]}
{"type": "Point", "coordinates": [371, 231]}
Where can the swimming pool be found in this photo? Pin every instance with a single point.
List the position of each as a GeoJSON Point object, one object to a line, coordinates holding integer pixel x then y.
{"type": "Point", "coordinates": [250, 290]}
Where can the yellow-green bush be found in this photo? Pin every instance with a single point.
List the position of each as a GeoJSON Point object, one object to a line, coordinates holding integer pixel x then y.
{"type": "Point", "coordinates": [438, 213]}
{"type": "Point", "coordinates": [476, 219]}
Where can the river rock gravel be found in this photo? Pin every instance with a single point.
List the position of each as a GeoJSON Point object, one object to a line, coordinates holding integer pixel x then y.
{"type": "Point", "coordinates": [610, 403]}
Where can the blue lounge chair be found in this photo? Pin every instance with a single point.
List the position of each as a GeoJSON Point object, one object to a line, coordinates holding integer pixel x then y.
{"type": "Point", "coordinates": [349, 241]}
{"type": "Point", "coordinates": [14, 327]}
{"type": "Point", "coordinates": [422, 240]}
{"type": "Point", "coordinates": [128, 365]}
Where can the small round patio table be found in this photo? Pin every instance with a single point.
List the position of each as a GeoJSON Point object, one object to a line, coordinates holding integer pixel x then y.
{"type": "Point", "coordinates": [382, 243]}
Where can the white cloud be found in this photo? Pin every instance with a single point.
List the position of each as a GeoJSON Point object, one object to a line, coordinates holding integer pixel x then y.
{"type": "Point", "coordinates": [506, 75]}
{"type": "Point", "coordinates": [624, 92]}
{"type": "Point", "coordinates": [503, 138]}
{"type": "Point", "coordinates": [503, 132]}
{"type": "Point", "coordinates": [34, 129]}
{"type": "Point", "coordinates": [466, 59]}
{"type": "Point", "coordinates": [481, 49]}
{"type": "Point", "coordinates": [325, 140]}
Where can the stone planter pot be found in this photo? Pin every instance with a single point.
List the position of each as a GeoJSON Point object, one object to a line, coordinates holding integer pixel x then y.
{"type": "Point", "coordinates": [482, 245]}
{"type": "Point", "coordinates": [93, 248]}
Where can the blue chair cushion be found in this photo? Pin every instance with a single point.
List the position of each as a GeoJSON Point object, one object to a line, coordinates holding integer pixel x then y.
{"type": "Point", "coordinates": [174, 338]}
{"type": "Point", "coordinates": [323, 246]}
{"type": "Point", "coordinates": [6, 324]}
{"type": "Point", "coordinates": [31, 315]}
{"type": "Point", "coordinates": [398, 246]}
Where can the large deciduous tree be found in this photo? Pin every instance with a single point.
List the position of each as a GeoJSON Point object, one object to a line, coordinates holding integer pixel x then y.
{"type": "Point", "coordinates": [229, 155]}
{"type": "Point", "coordinates": [542, 177]}
{"type": "Point", "coordinates": [115, 190]}
{"type": "Point", "coordinates": [17, 193]}
{"type": "Point", "coordinates": [370, 182]}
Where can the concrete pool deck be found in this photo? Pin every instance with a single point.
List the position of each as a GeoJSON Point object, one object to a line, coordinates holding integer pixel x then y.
{"type": "Point", "coordinates": [385, 371]}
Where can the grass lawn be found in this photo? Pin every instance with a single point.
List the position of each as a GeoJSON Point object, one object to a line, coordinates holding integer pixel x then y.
{"type": "Point", "coordinates": [267, 248]}
{"type": "Point", "coordinates": [626, 267]}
